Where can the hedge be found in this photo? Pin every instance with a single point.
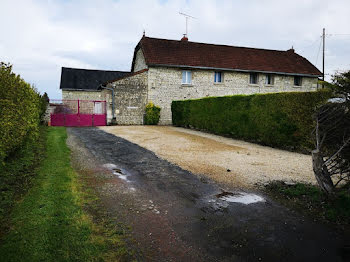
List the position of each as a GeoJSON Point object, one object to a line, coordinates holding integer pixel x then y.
{"type": "Point", "coordinates": [21, 107]}
{"type": "Point", "coordinates": [282, 120]}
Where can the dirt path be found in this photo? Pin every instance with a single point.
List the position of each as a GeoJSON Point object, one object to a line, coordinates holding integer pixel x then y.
{"type": "Point", "coordinates": [212, 155]}
{"type": "Point", "coordinates": [177, 216]}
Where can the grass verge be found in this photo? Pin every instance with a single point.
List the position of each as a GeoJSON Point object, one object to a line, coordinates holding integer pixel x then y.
{"type": "Point", "coordinates": [311, 201]}
{"type": "Point", "coordinates": [50, 224]}
{"type": "Point", "coordinates": [17, 173]}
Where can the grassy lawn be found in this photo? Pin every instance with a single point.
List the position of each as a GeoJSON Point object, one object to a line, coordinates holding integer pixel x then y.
{"type": "Point", "coordinates": [309, 200]}
{"type": "Point", "coordinates": [50, 224]}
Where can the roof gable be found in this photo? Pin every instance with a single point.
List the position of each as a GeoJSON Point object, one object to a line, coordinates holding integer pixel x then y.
{"type": "Point", "coordinates": [86, 79]}
{"type": "Point", "coordinates": [162, 52]}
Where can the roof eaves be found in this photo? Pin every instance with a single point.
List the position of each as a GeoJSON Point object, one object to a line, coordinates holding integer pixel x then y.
{"type": "Point", "coordinates": [85, 90]}
{"type": "Point", "coordinates": [126, 76]}
{"type": "Point", "coordinates": [235, 70]}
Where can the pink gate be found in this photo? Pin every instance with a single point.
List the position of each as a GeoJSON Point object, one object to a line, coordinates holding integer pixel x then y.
{"type": "Point", "coordinates": [78, 113]}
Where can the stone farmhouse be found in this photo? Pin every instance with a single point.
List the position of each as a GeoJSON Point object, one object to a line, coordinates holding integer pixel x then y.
{"type": "Point", "coordinates": [166, 70]}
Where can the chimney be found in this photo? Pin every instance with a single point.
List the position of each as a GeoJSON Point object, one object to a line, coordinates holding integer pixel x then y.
{"type": "Point", "coordinates": [184, 38]}
{"type": "Point", "coordinates": [291, 50]}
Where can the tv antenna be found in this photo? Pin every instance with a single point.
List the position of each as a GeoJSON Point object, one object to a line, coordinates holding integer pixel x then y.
{"type": "Point", "coordinates": [186, 17]}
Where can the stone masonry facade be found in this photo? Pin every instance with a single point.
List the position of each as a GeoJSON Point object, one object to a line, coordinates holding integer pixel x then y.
{"type": "Point", "coordinates": [83, 95]}
{"type": "Point", "coordinates": [130, 99]}
{"type": "Point", "coordinates": [140, 62]}
{"type": "Point", "coordinates": [165, 85]}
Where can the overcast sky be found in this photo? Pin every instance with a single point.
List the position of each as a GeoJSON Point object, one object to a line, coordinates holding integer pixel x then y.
{"type": "Point", "coordinates": [40, 37]}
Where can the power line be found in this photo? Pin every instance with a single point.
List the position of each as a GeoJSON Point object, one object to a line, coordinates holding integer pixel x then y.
{"type": "Point", "coordinates": [319, 48]}
{"type": "Point", "coordinates": [336, 34]}
{"type": "Point", "coordinates": [313, 43]}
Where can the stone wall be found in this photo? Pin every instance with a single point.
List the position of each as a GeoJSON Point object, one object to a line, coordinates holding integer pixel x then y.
{"type": "Point", "coordinates": [130, 98]}
{"type": "Point", "coordinates": [83, 95]}
{"type": "Point", "coordinates": [140, 62]}
{"type": "Point", "coordinates": [164, 86]}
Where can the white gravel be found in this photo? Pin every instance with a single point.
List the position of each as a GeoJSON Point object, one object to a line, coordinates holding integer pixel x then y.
{"type": "Point", "coordinates": [231, 161]}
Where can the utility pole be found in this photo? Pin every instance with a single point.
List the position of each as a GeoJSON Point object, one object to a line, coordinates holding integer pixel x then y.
{"type": "Point", "coordinates": [323, 39]}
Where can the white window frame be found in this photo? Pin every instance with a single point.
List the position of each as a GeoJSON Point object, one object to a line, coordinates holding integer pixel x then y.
{"type": "Point", "coordinates": [216, 79]}
{"type": "Point", "coordinates": [188, 77]}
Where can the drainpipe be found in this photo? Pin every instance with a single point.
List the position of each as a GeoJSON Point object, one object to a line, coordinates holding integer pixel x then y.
{"type": "Point", "coordinates": [114, 120]}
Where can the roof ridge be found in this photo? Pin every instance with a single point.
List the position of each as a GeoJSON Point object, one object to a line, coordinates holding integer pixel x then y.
{"type": "Point", "coordinates": [245, 47]}
{"type": "Point", "coordinates": [100, 70]}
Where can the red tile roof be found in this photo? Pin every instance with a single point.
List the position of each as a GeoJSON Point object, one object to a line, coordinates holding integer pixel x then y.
{"type": "Point", "coordinates": [162, 52]}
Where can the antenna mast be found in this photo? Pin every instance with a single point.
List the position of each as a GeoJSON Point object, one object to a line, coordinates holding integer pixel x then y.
{"type": "Point", "coordinates": [186, 17]}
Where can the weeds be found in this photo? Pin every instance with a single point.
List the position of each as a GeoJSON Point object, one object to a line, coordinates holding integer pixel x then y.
{"type": "Point", "coordinates": [311, 201]}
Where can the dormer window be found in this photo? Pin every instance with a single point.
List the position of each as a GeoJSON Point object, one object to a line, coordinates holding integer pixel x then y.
{"type": "Point", "coordinates": [217, 77]}
{"type": "Point", "coordinates": [186, 77]}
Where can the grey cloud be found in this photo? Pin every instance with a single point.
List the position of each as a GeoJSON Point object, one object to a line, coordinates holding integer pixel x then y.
{"type": "Point", "coordinates": [43, 36]}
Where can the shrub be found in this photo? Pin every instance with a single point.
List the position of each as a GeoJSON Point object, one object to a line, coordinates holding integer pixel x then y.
{"type": "Point", "coordinates": [20, 112]}
{"type": "Point", "coordinates": [281, 120]}
{"type": "Point", "coordinates": [152, 114]}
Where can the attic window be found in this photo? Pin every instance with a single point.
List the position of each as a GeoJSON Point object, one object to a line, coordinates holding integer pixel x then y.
{"type": "Point", "coordinates": [253, 79]}
{"type": "Point", "coordinates": [186, 77]}
{"type": "Point", "coordinates": [217, 77]}
{"type": "Point", "coordinates": [297, 80]}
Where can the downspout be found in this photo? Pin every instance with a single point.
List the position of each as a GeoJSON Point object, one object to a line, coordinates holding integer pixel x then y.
{"type": "Point", "coordinates": [114, 120]}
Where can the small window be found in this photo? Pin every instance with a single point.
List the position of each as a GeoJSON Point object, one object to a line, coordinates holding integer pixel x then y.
{"type": "Point", "coordinates": [186, 77]}
{"type": "Point", "coordinates": [297, 81]}
{"type": "Point", "coordinates": [253, 78]}
{"type": "Point", "coordinates": [269, 79]}
{"type": "Point", "coordinates": [217, 77]}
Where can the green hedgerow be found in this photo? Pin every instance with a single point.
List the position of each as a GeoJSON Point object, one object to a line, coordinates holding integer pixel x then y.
{"type": "Point", "coordinates": [282, 120]}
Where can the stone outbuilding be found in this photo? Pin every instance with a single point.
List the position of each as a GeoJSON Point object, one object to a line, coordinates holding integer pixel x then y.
{"type": "Point", "coordinates": [166, 70]}
{"type": "Point", "coordinates": [84, 84]}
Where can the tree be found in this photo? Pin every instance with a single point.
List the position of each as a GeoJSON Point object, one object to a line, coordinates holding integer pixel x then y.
{"type": "Point", "coordinates": [331, 158]}
{"type": "Point", "coordinates": [44, 102]}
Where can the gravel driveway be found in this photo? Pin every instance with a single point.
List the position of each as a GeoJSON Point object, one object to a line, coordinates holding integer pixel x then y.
{"type": "Point", "coordinates": [175, 215]}
{"type": "Point", "coordinates": [226, 160]}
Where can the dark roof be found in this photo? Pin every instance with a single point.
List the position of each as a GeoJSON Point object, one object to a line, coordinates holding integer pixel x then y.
{"type": "Point", "coordinates": [162, 52]}
{"type": "Point", "coordinates": [86, 79]}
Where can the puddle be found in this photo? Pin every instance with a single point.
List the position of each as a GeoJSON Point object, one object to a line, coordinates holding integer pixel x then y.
{"type": "Point", "coordinates": [109, 166]}
{"type": "Point", "coordinates": [117, 171]}
{"type": "Point", "coordinates": [121, 176]}
{"type": "Point", "coordinates": [243, 198]}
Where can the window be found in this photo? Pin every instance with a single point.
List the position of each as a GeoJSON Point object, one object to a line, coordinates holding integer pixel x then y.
{"type": "Point", "coordinates": [98, 108]}
{"type": "Point", "coordinates": [217, 77]}
{"type": "Point", "coordinates": [269, 79]}
{"type": "Point", "coordinates": [297, 81]}
{"type": "Point", "coordinates": [253, 78]}
{"type": "Point", "coordinates": [186, 77]}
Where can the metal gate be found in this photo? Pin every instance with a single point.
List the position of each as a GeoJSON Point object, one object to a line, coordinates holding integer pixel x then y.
{"type": "Point", "coordinates": [77, 113]}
